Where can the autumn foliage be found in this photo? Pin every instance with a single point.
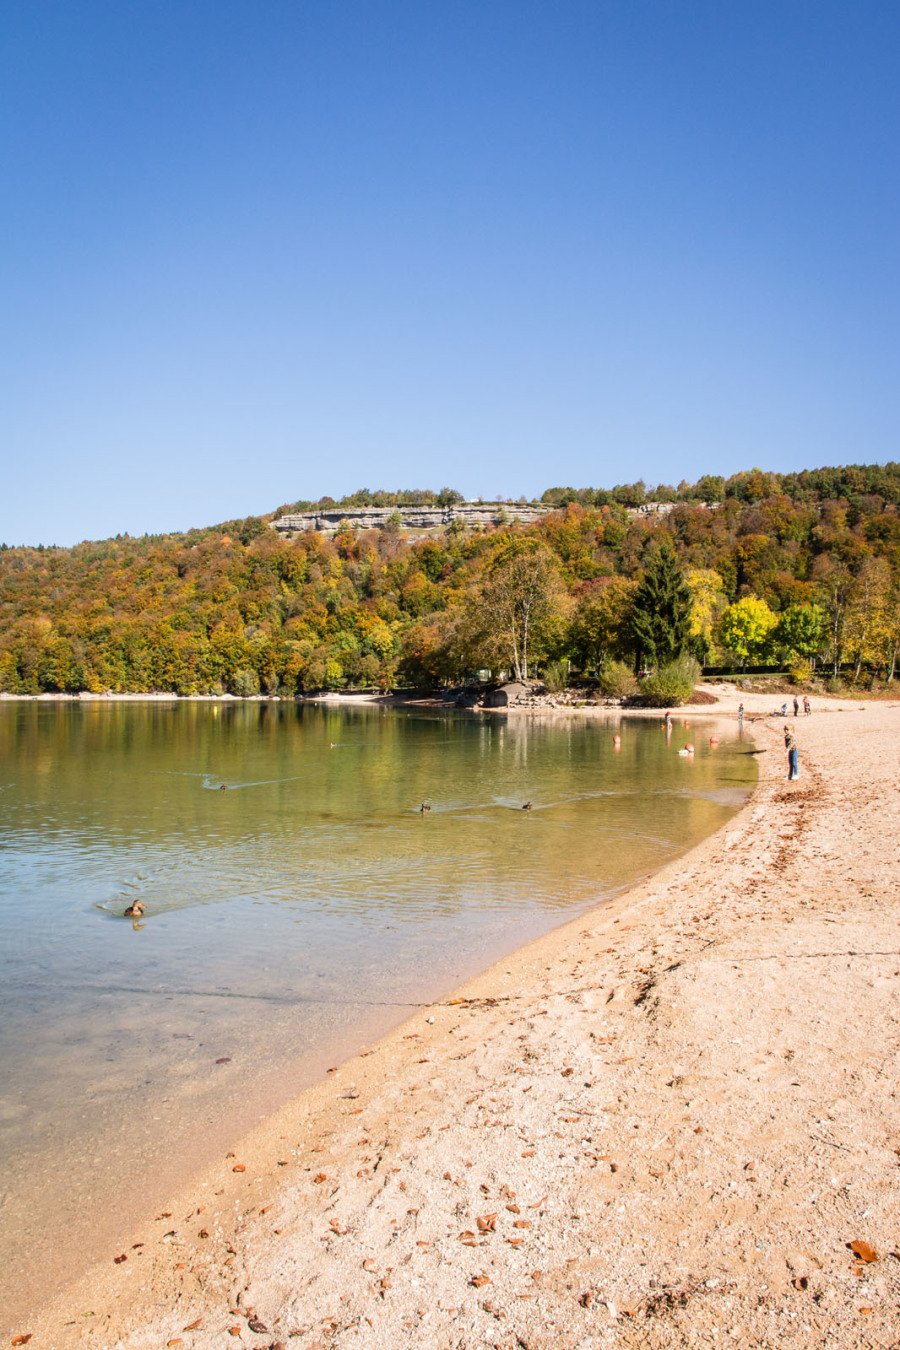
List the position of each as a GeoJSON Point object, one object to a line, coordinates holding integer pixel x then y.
{"type": "Point", "coordinates": [802, 566]}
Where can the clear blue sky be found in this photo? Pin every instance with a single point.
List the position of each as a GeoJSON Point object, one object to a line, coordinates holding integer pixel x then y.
{"type": "Point", "coordinates": [258, 250]}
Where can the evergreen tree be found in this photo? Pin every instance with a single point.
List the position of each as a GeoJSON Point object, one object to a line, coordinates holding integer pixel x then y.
{"type": "Point", "coordinates": [661, 619]}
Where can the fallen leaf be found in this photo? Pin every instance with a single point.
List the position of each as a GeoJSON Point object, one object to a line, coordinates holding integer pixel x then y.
{"type": "Point", "coordinates": [234, 1331]}
{"type": "Point", "coordinates": [204, 1233]}
{"type": "Point", "coordinates": [514, 1209]}
{"type": "Point", "coordinates": [586, 1298]}
{"type": "Point", "coordinates": [226, 1059]}
{"type": "Point", "coordinates": [801, 1282]}
{"type": "Point", "coordinates": [319, 1178]}
{"type": "Point", "coordinates": [567, 1073]}
{"type": "Point", "coordinates": [487, 1224]}
{"type": "Point", "coordinates": [529, 1153]}
{"type": "Point", "coordinates": [119, 1259]}
{"type": "Point", "coordinates": [194, 1326]}
{"type": "Point", "coordinates": [23, 1340]}
{"type": "Point", "coordinates": [256, 1325]}
{"type": "Point", "coordinates": [175, 1341]}
{"type": "Point", "coordinates": [239, 1167]}
{"type": "Point", "coordinates": [480, 1280]}
{"type": "Point", "coordinates": [863, 1250]}
{"type": "Point", "coordinates": [521, 1223]}
{"type": "Point", "coordinates": [864, 1311]}
{"type": "Point", "coordinates": [166, 1214]}
{"type": "Point", "coordinates": [537, 1204]}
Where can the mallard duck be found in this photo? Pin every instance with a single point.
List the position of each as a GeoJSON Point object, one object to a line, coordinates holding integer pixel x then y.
{"type": "Point", "coordinates": [424, 808]}
{"type": "Point", "coordinates": [527, 806]}
{"type": "Point", "coordinates": [134, 911]}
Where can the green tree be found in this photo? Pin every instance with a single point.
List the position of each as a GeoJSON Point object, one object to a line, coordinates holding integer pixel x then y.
{"type": "Point", "coordinates": [801, 631]}
{"type": "Point", "coordinates": [601, 623]}
{"type": "Point", "coordinates": [518, 608]}
{"type": "Point", "coordinates": [746, 628]}
{"type": "Point", "coordinates": [661, 617]}
{"type": "Point", "coordinates": [834, 581]}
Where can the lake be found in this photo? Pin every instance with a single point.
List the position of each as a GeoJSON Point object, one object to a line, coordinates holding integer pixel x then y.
{"type": "Point", "coordinates": [289, 918]}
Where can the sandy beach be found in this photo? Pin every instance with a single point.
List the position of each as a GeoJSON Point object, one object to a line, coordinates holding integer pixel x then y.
{"type": "Point", "coordinates": [671, 1122]}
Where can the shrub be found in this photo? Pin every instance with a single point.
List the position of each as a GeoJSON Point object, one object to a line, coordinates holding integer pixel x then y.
{"type": "Point", "coordinates": [799, 672]}
{"type": "Point", "coordinates": [556, 676]}
{"type": "Point", "coordinates": [245, 683]}
{"type": "Point", "coordinates": [669, 685]}
{"type": "Point", "coordinates": [617, 680]}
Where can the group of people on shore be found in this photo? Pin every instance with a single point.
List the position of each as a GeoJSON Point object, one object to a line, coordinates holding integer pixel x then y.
{"type": "Point", "coordinates": [807, 707]}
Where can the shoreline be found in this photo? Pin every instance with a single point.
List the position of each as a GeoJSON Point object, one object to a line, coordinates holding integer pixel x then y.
{"type": "Point", "coordinates": [589, 1002]}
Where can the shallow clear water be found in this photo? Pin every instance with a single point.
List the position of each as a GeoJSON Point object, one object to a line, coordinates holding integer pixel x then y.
{"type": "Point", "coordinates": [287, 919]}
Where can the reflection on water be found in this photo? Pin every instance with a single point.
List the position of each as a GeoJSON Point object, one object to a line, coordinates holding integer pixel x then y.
{"type": "Point", "coordinates": [307, 904]}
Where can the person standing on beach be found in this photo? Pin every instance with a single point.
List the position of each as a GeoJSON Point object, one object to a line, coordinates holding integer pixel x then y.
{"type": "Point", "coordinates": [807, 706]}
{"type": "Point", "coordinates": [793, 761]}
{"type": "Point", "coordinates": [796, 705]}
{"type": "Point", "coordinates": [741, 717]}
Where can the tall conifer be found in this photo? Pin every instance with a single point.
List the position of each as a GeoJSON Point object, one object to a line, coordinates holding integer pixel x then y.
{"type": "Point", "coordinates": [662, 609]}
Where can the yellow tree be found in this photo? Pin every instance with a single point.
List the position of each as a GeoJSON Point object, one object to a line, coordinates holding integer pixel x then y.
{"type": "Point", "coordinates": [746, 627]}
{"type": "Point", "coordinates": [708, 602]}
{"type": "Point", "coordinates": [865, 605]}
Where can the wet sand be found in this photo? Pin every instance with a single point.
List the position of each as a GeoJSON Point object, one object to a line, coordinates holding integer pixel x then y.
{"type": "Point", "coordinates": [660, 1125]}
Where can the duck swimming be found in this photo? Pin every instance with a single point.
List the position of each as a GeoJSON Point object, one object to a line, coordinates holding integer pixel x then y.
{"type": "Point", "coordinates": [424, 808]}
{"type": "Point", "coordinates": [527, 806]}
{"type": "Point", "coordinates": [134, 911]}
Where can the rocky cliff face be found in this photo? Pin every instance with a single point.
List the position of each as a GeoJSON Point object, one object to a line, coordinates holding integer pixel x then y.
{"type": "Point", "coordinates": [330, 520]}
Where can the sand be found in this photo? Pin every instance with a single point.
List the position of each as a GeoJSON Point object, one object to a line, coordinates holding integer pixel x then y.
{"type": "Point", "coordinates": [660, 1125]}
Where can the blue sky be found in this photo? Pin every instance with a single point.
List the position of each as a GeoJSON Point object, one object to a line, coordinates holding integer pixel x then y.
{"type": "Point", "coordinates": [254, 250]}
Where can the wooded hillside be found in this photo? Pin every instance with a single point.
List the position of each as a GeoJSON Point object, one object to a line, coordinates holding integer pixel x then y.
{"type": "Point", "coordinates": [800, 565]}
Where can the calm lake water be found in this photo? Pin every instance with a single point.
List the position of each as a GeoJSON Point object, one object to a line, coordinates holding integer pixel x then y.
{"type": "Point", "coordinates": [289, 918]}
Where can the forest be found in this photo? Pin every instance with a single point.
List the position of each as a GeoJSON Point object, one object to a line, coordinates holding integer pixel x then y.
{"type": "Point", "coordinates": [801, 569]}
